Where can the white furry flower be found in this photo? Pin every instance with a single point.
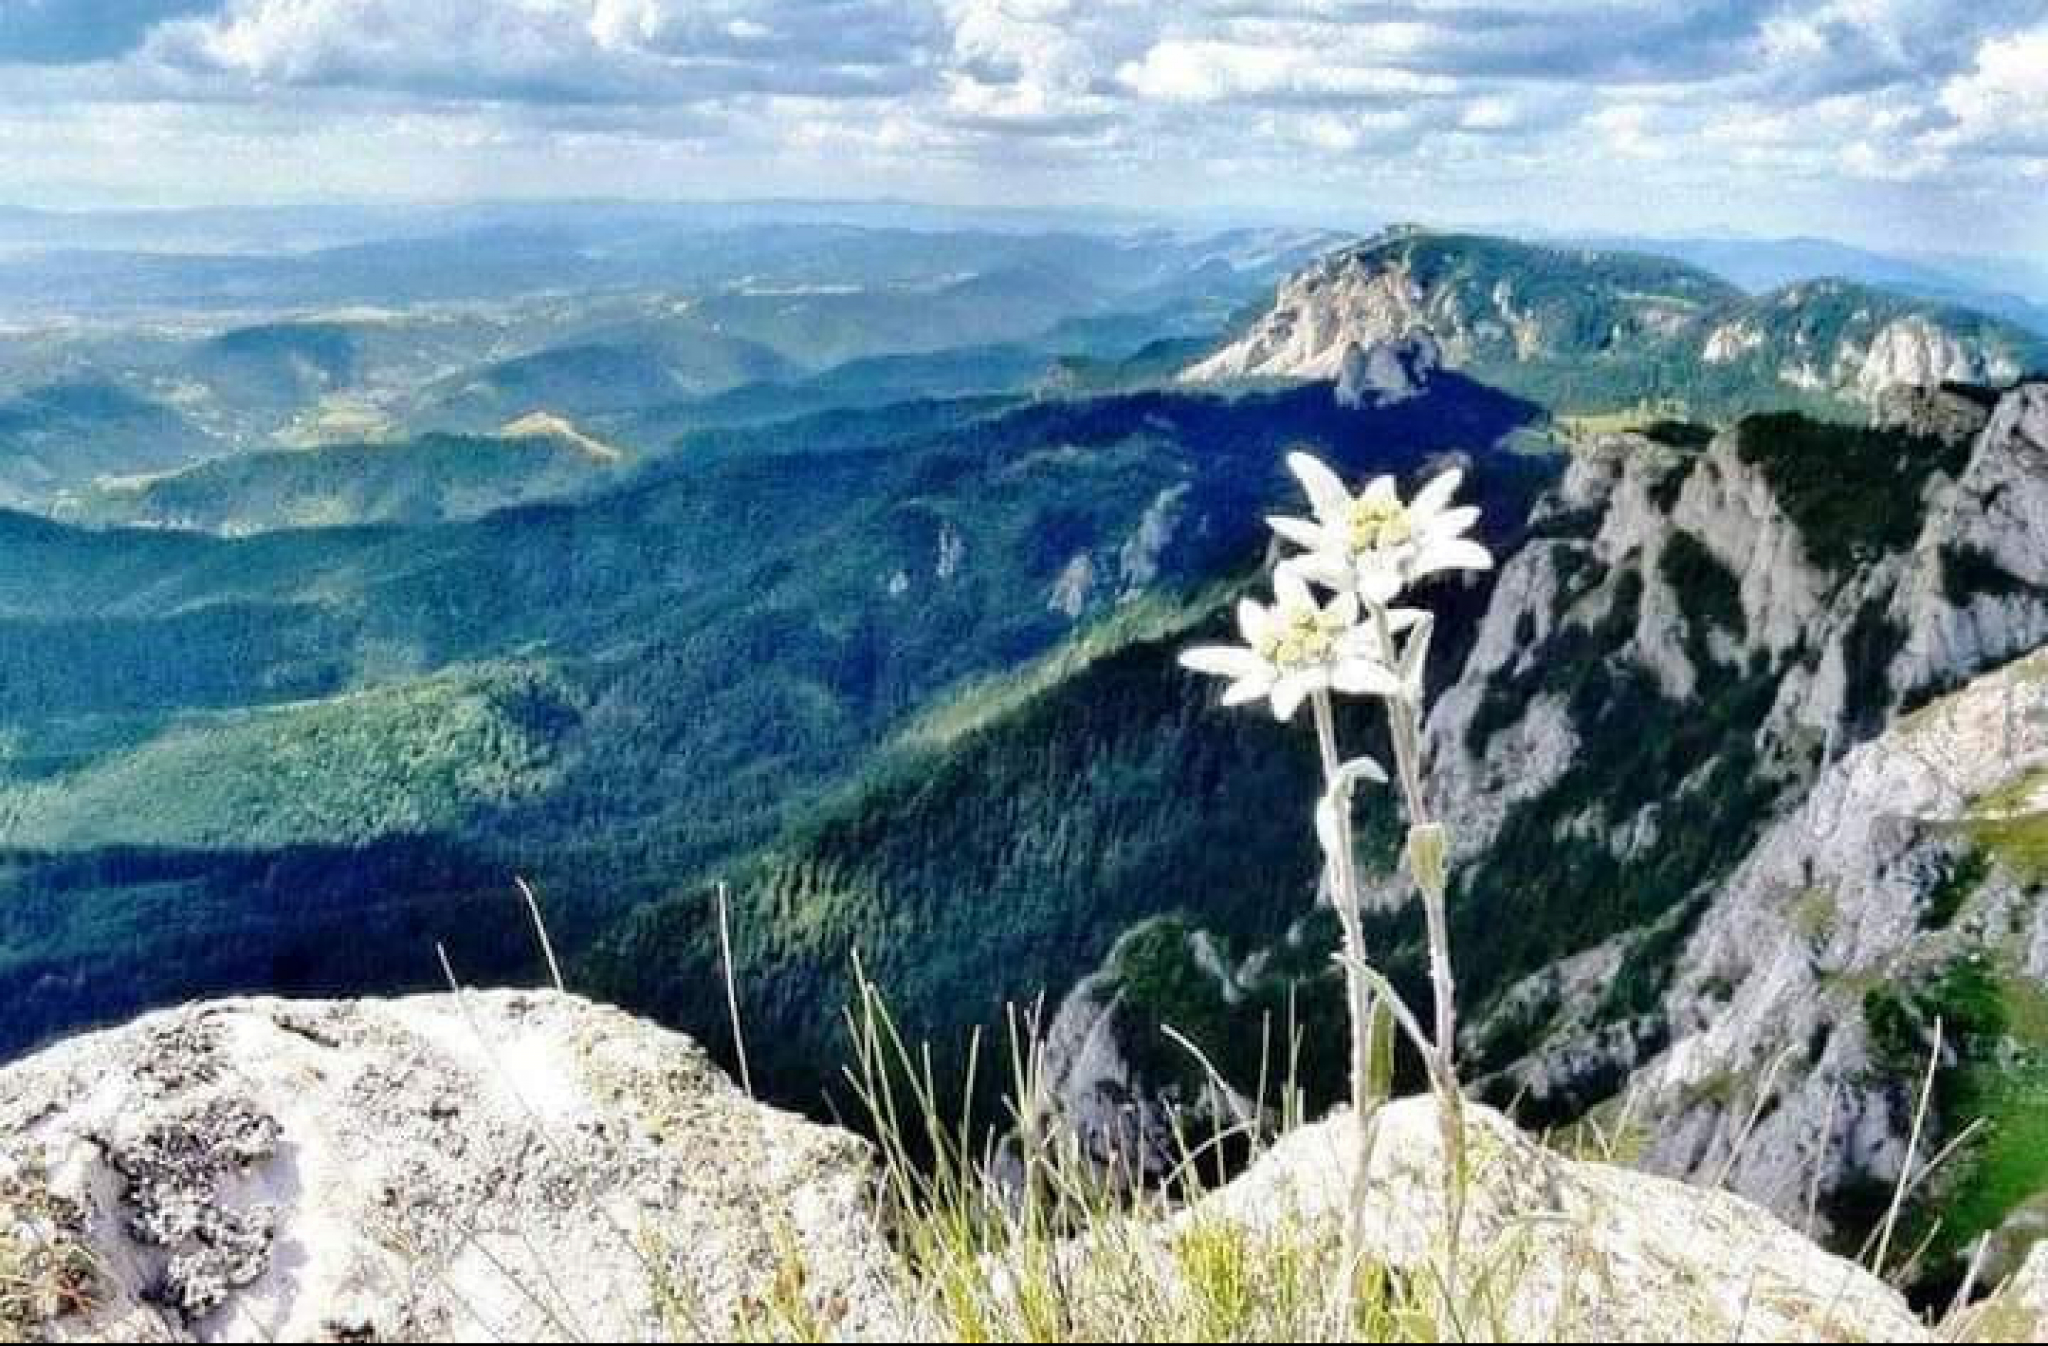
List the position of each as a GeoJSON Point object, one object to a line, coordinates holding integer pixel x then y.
{"type": "Point", "coordinates": [1298, 647]}
{"type": "Point", "coordinates": [1372, 544]}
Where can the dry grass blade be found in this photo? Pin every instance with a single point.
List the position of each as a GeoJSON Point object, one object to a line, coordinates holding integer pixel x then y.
{"type": "Point", "coordinates": [732, 993]}
{"type": "Point", "coordinates": [540, 927]}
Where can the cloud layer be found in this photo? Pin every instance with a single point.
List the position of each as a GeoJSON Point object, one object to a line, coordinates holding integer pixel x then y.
{"type": "Point", "coordinates": [1884, 120]}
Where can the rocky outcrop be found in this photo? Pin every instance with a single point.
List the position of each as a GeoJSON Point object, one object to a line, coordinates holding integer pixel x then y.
{"type": "Point", "coordinates": [1572, 1250]}
{"type": "Point", "coordinates": [1484, 302]}
{"type": "Point", "coordinates": [523, 1166]}
{"type": "Point", "coordinates": [1099, 1075]}
{"type": "Point", "coordinates": [1388, 371]}
{"type": "Point", "coordinates": [1347, 303]}
{"type": "Point", "coordinates": [503, 1166]}
{"type": "Point", "coordinates": [1784, 1055]}
{"type": "Point", "coordinates": [1502, 309]}
{"type": "Point", "coordinates": [1771, 1081]}
{"type": "Point", "coordinates": [1914, 352]}
{"type": "Point", "coordinates": [1683, 583]}
{"type": "Point", "coordinates": [1977, 590]}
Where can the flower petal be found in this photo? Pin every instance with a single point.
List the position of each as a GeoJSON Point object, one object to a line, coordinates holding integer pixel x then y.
{"type": "Point", "coordinates": [1431, 499]}
{"type": "Point", "coordinates": [1253, 621]}
{"type": "Point", "coordinates": [1365, 677]}
{"type": "Point", "coordinates": [1344, 608]}
{"type": "Point", "coordinates": [1450, 554]}
{"type": "Point", "coordinates": [1451, 523]}
{"type": "Point", "coordinates": [1325, 488]}
{"type": "Point", "coordinates": [1223, 661]}
{"type": "Point", "coordinates": [1380, 488]}
{"type": "Point", "coordinates": [1299, 531]}
{"type": "Point", "coordinates": [1331, 571]}
{"type": "Point", "coordinates": [1292, 590]}
{"type": "Point", "coordinates": [1248, 689]}
{"type": "Point", "coordinates": [1378, 581]}
{"type": "Point", "coordinates": [1290, 691]}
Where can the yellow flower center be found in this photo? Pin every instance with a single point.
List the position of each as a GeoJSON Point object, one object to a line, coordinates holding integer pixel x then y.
{"type": "Point", "coordinates": [1376, 524]}
{"type": "Point", "coordinates": [1303, 638]}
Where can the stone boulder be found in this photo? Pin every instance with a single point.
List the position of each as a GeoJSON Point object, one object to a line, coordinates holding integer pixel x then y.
{"type": "Point", "coordinates": [500, 1166]}
{"type": "Point", "coordinates": [1571, 1250]}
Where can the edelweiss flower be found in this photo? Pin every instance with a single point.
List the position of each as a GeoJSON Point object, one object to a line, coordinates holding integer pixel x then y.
{"type": "Point", "coordinates": [1298, 647]}
{"type": "Point", "coordinates": [1373, 545]}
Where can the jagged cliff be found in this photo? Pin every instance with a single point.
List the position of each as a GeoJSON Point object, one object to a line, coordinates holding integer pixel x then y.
{"type": "Point", "coordinates": [1709, 646]}
{"type": "Point", "coordinates": [1582, 328]}
{"type": "Point", "coordinates": [1806, 627]}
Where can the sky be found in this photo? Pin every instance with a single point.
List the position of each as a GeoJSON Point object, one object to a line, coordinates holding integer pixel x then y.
{"type": "Point", "coordinates": [1905, 124]}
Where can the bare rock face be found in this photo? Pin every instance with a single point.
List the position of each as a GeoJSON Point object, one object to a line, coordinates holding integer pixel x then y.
{"type": "Point", "coordinates": [1096, 1081]}
{"type": "Point", "coordinates": [1387, 371]}
{"type": "Point", "coordinates": [1756, 1064]}
{"type": "Point", "coordinates": [502, 1166]}
{"type": "Point", "coordinates": [1344, 303]}
{"type": "Point", "coordinates": [1838, 897]}
{"type": "Point", "coordinates": [1912, 352]}
{"type": "Point", "coordinates": [1978, 589]}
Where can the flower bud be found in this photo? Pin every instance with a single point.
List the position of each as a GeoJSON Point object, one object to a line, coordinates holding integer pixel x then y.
{"type": "Point", "coordinates": [1428, 853]}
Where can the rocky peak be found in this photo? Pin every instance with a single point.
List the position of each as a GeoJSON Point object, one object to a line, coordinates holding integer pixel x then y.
{"type": "Point", "coordinates": [1351, 301]}
{"type": "Point", "coordinates": [1602, 325]}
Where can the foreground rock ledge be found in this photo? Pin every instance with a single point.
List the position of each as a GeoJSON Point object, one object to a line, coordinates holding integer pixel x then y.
{"type": "Point", "coordinates": [1556, 1248]}
{"type": "Point", "coordinates": [516, 1166]}
{"type": "Point", "coordinates": [504, 1166]}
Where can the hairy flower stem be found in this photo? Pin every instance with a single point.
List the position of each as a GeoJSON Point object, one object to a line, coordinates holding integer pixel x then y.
{"type": "Point", "coordinates": [1368, 1083]}
{"type": "Point", "coordinates": [1427, 847]}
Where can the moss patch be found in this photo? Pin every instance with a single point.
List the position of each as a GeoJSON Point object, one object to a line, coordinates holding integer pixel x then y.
{"type": "Point", "coordinates": [1996, 1020]}
{"type": "Point", "coordinates": [2017, 841]}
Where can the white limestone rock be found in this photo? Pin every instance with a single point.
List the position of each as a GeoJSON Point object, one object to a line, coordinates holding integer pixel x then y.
{"type": "Point", "coordinates": [504, 1166]}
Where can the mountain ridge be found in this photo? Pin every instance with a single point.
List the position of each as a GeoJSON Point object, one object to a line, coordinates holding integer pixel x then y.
{"type": "Point", "coordinates": [1582, 329]}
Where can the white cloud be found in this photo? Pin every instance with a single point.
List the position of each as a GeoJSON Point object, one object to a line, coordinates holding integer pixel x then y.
{"type": "Point", "coordinates": [549, 50]}
{"type": "Point", "coordinates": [1490, 114]}
{"type": "Point", "coordinates": [1207, 71]}
{"type": "Point", "coordinates": [1780, 114]}
{"type": "Point", "coordinates": [1629, 129]}
{"type": "Point", "coordinates": [2006, 93]}
{"type": "Point", "coordinates": [1024, 62]}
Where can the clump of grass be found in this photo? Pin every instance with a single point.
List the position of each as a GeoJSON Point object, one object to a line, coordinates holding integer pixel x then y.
{"type": "Point", "coordinates": [1032, 1238]}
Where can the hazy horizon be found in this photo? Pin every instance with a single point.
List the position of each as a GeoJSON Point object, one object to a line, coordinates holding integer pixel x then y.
{"type": "Point", "coordinates": [1900, 125]}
